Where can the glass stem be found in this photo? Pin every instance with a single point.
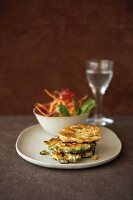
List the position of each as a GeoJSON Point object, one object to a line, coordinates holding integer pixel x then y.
{"type": "Point", "coordinates": [98, 113]}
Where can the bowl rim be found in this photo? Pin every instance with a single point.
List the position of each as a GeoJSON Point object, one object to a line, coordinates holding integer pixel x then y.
{"type": "Point", "coordinates": [74, 116]}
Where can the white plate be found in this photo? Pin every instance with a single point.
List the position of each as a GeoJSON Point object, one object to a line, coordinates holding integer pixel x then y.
{"type": "Point", "coordinates": [30, 143]}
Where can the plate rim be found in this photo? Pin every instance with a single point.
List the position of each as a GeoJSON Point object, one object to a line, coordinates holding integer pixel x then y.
{"type": "Point", "coordinates": [64, 166]}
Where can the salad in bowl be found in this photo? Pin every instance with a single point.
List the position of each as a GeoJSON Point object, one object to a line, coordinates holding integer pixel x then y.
{"type": "Point", "coordinates": [65, 109]}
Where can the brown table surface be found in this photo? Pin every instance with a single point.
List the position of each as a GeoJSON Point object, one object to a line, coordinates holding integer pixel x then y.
{"type": "Point", "coordinates": [22, 180]}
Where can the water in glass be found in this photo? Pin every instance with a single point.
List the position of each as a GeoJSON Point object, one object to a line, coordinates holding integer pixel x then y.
{"type": "Point", "coordinates": [99, 74]}
{"type": "Point", "coordinates": [99, 80]}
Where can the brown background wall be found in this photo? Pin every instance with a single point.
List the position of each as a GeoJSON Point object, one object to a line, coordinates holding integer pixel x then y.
{"type": "Point", "coordinates": [45, 43]}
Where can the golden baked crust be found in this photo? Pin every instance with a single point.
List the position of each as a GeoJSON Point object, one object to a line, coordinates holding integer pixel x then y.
{"type": "Point", "coordinates": [66, 158]}
{"type": "Point", "coordinates": [80, 133]}
{"type": "Point", "coordinates": [56, 144]}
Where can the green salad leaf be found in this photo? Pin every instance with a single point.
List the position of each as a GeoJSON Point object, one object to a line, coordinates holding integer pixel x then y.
{"type": "Point", "coordinates": [87, 106]}
{"type": "Point", "coordinates": [61, 109]}
{"type": "Point", "coordinates": [76, 106]}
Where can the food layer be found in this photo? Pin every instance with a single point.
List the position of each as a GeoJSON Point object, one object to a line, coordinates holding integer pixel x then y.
{"type": "Point", "coordinates": [80, 134]}
{"type": "Point", "coordinates": [74, 143]}
{"type": "Point", "coordinates": [65, 158]}
{"type": "Point", "coordinates": [56, 144]}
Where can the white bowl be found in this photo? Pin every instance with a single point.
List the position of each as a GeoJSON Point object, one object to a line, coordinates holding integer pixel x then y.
{"type": "Point", "coordinates": [53, 125]}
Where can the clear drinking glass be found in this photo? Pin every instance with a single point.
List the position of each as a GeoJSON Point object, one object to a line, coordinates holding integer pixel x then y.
{"type": "Point", "coordinates": [99, 74]}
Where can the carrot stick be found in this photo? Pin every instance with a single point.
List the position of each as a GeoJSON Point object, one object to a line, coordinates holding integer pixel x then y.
{"type": "Point", "coordinates": [40, 111]}
{"type": "Point", "coordinates": [49, 94]}
{"type": "Point", "coordinates": [52, 105]}
{"type": "Point", "coordinates": [42, 106]}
